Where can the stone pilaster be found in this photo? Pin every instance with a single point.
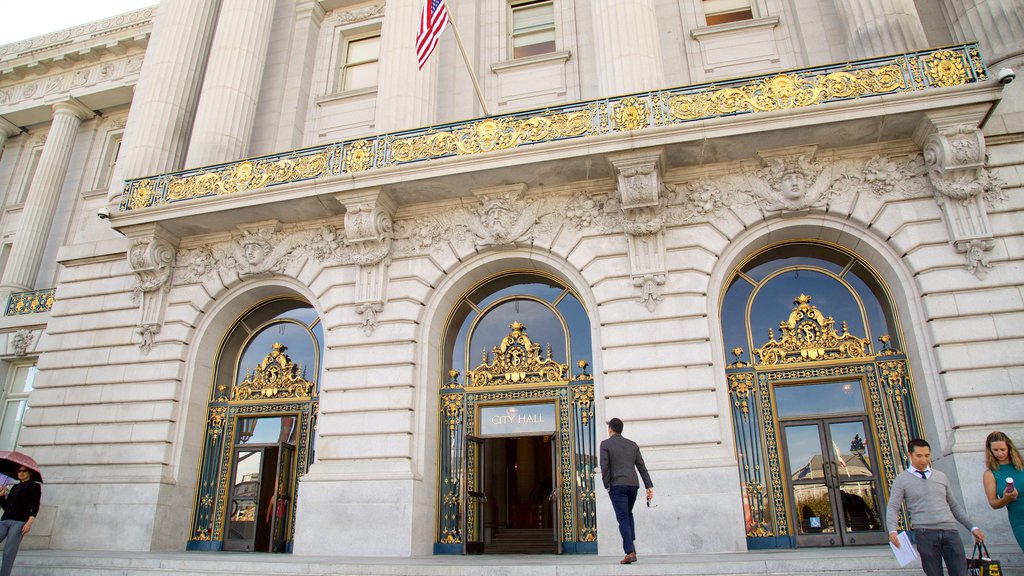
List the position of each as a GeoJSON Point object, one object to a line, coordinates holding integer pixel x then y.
{"type": "Point", "coordinates": [156, 136]}
{"type": "Point", "coordinates": [231, 87]}
{"type": "Point", "coordinates": [881, 27]}
{"type": "Point", "coordinates": [368, 233]}
{"type": "Point", "coordinates": [628, 53]}
{"type": "Point", "coordinates": [997, 24]}
{"type": "Point", "coordinates": [43, 194]}
{"type": "Point", "coordinates": [7, 129]}
{"type": "Point", "coordinates": [639, 189]}
{"type": "Point", "coordinates": [151, 256]}
{"type": "Point", "coordinates": [404, 92]}
{"type": "Point", "coordinates": [954, 155]}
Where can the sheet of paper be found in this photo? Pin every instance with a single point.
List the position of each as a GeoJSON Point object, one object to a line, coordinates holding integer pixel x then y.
{"type": "Point", "coordinates": [906, 553]}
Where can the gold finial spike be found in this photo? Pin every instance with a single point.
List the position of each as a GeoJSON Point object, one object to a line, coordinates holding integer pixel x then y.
{"type": "Point", "coordinates": [517, 326]}
{"type": "Point", "coordinates": [802, 300]}
{"type": "Point", "coordinates": [737, 352]}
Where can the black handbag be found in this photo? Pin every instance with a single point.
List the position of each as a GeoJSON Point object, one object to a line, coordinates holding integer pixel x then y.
{"type": "Point", "coordinates": [979, 563]}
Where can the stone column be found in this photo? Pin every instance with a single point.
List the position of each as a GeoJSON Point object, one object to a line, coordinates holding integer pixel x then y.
{"type": "Point", "coordinates": [163, 107]}
{"type": "Point", "coordinates": [43, 194]}
{"type": "Point", "coordinates": [628, 51]}
{"type": "Point", "coordinates": [997, 24]}
{"type": "Point", "coordinates": [7, 130]}
{"type": "Point", "coordinates": [405, 94]}
{"type": "Point", "coordinates": [231, 88]}
{"type": "Point", "coordinates": [881, 27]}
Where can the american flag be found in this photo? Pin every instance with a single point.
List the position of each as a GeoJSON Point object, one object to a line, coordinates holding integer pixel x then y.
{"type": "Point", "coordinates": [433, 19]}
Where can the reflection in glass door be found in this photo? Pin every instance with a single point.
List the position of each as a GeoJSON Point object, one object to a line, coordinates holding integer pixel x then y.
{"type": "Point", "coordinates": [833, 482]}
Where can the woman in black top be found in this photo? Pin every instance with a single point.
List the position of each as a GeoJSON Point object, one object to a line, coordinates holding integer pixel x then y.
{"type": "Point", "coordinates": [21, 504]}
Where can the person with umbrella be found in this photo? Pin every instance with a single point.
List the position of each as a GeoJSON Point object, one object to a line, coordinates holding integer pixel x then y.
{"type": "Point", "coordinates": [20, 503]}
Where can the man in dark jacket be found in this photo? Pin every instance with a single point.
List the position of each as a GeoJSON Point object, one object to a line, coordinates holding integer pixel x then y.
{"type": "Point", "coordinates": [620, 460]}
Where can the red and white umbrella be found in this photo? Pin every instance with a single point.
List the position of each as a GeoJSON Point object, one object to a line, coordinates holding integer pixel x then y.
{"type": "Point", "coordinates": [11, 460]}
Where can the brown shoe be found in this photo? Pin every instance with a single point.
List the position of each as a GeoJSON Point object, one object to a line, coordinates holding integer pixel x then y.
{"type": "Point", "coordinates": [629, 559]}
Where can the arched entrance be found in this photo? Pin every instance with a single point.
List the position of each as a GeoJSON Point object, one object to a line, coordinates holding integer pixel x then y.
{"type": "Point", "coordinates": [516, 437]}
{"type": "Point", "coordinates": [259, 429]}
{"type": "Point", "coordinates": [821, 416]}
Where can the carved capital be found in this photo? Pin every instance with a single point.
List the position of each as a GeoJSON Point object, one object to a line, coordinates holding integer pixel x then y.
{"type": "Point", "coordinates": [151, 256]}
{"type": "Point", "coordinates": [368, 225]}
{"type": "Point", "coordinates": [21, 341]}
{"type": "Point", "coordinates": [639, 178]}
{"type": "Point", "coordinates": [954, 157]}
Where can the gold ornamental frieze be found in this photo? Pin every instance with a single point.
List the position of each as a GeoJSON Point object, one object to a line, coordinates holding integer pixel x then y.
{"type": "Point", "coordinates": [808, 336]}
{"type": "Point", "coordinates": [952, 66]}
{"type": "Point", "coordinates": [275, 378]}
{"type": "Point", "coordinates": [517, 360]}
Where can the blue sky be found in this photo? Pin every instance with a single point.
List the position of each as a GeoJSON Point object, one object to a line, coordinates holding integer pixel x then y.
{"type": "Point", "coordinates": [27, 19]}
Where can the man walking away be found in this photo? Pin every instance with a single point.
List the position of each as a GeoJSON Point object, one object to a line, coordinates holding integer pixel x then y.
{"type": "Point", "coordinates": [620, 460]}
{"type": "Point", "coordinates": [934, 512]}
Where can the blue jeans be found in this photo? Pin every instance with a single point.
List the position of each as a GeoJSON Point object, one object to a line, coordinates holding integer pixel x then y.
{"type": "Point", "coordinates": [938, 545]}
{"type": "Point", "coordinates": [10, 535]}
{"type": "Point", "coordinates": [623, 498]}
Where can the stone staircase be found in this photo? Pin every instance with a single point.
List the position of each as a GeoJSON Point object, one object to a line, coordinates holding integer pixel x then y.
{"type": "Point", "coordinates": [869, 561]}
{"type": "Point", "coordinates": [522, 541]}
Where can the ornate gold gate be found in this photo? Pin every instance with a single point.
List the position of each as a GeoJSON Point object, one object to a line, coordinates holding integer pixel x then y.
{"type": "Point", "coordinates": [810, 349]}
{"type": "Point", "coordinates": [516, 372]}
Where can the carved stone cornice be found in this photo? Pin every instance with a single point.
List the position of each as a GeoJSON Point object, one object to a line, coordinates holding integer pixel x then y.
{"type": "Point", "coordinates": [151, 255]}
{"type": "Point", "coordinates": [34, 91]}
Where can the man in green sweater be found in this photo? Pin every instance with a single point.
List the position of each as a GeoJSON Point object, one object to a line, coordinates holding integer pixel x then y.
{"type": "Point", "coordinates": [933, 511]}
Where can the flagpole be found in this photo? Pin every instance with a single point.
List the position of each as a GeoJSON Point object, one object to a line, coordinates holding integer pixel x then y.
{"type": "Point", "coordinates": [472, 73]}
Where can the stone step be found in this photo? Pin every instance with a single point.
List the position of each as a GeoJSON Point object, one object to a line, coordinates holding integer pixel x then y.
{"type": "Point", "coordinates": [868, 561]}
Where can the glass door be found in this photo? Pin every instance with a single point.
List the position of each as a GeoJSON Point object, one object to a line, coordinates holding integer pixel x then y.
{"type": "Point", "coordinates": [243, 512]}
{"type": "Point", "coordinates": [833, 482]}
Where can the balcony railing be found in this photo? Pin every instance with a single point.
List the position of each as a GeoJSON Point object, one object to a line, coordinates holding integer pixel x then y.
{"type": "Point", "coordinates": [32, 302]}
{"type": "Point", "coordinates": [924, 70]}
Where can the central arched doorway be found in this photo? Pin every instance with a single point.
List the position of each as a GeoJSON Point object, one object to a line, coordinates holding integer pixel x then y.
{"type": "Point", "coordinates": [516, 435]}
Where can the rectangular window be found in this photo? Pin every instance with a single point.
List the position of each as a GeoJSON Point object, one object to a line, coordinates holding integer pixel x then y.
{"type": "Point", "coordinates": [533, 28]}
{"type": "Point", "coordinates": [723, 11]}
{"type": "Point", "coordinates": [19, 384]}
{"type": "Point", "coordinates": [108, 160]}
{"type": "Point", "coordinates": [360, 69]}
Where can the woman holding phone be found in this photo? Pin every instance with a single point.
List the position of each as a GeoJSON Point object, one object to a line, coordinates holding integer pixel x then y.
{"type": "Point", "coordinates": [1005, 469]}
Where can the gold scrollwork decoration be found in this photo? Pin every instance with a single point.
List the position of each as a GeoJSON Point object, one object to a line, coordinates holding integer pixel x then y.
{"type": "Point", "coordinates": [358, 156]}
{"type": "Point", "coordinates": [247, 175]}
{"type": "Point", "coordinates": [740, 386]}
{"type": "Point", "coordinates": [32, 302]}
{"type": "Point", "coordinates": [274, 378]}
{"type": "Point", "coordinates": [517, 360]}
{"type": "Point", "coordinates": [142, 195]}
{"type": "Point", "coordinates": [583, 397]}
{"type": "Point", "coordinates": [630, 114]}
{"type": "Point", "coordinates": [946, 68]}
{"type": "Point", "coordinates": [808, 336]}
{"type": "Point", "coordinates": [787, 91]}
{"type": "Point", "coordinates": [451, 407]}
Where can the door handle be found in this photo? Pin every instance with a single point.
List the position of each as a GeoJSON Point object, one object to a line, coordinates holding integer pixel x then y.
{"type": "Point", "coordinates": [478, 495]}
{"type": "Point", "coordinates": [826, 476]}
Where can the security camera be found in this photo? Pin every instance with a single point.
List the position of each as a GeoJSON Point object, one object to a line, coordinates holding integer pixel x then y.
{"type": "Point", "coordinates": [103, 213]}
{"type": "Point", "coordinates": [1006, 75]}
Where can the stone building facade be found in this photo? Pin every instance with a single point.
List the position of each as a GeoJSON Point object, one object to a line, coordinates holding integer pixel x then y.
{"type": "Point", "coordinates": [333, 298]}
